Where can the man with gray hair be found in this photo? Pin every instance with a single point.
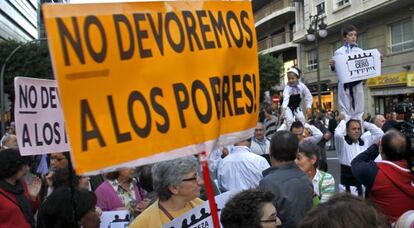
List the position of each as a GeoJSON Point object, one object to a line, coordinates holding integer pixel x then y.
{"type": "Point", "coordinates": [178, 186]}
{"type": "Point", "coordinates": [379, 121]}
{"type": "Point", "coordinates": [260, 144]}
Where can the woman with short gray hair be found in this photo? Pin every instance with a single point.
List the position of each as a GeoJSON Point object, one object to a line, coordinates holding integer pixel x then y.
{"type": "Point", "coordinates": [178, 186]}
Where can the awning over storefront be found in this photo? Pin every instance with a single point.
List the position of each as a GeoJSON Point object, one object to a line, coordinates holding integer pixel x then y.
{"type": "Point", "coordinates": [392, 91]}
{"type": "Point", "coordinates": [410, 79]}
{"type": "Point", "coordinates": [391, 80]}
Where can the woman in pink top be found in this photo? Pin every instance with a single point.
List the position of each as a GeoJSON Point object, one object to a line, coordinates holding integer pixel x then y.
{"type": "Point", "coordinates": [121, 192]}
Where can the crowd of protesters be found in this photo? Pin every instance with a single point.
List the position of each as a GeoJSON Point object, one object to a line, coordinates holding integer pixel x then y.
{"type": "Point", "coordinates": [279, 176]}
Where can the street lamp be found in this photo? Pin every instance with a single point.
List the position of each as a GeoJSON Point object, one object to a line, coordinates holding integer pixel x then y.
{"type": "Point", "coordinates": [2, 94]}
{"type": "Point", "coordinates": [317, 27]}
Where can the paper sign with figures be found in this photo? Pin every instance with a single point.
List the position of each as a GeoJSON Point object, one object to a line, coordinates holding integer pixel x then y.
{"type": "Point", "coordinates": [115, 219]}
{"type": "Point", "coordinates": [200, 217]}
{"type": "Point", "coordinates": [358, 66]}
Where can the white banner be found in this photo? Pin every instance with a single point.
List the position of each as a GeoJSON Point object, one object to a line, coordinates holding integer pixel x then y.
{"type": "Point", "coordinates": [358, 66]}
{"type": "Point", "coordinates": [201, 215]}
{"type": "Point", "coordinates": [115, 219]}
{"type": "Point", "coordinates": [40, 127]}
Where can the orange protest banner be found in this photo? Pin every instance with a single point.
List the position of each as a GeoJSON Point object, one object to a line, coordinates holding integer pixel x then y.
{"type": "Point", "coordinates": [148, 81]}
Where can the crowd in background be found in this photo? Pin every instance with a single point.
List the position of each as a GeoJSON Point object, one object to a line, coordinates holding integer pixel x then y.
{"type": "Point", "coordinates": [281, 176]}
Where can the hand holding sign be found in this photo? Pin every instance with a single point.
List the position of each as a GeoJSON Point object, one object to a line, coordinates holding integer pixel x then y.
{"type": "Point", "coordinates": [358, 66]}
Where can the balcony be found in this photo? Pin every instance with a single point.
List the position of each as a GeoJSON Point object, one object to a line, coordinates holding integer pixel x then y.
{"type": "Point", "coordinates": [272, 10]}
{"type": "Point", "coordinates": [276, 43]}
{"type": "Point", "coordinates": [275, 40]}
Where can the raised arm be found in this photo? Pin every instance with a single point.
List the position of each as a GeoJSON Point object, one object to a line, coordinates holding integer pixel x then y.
{"type": "Point", "coordinates": [340, 137]}
{"type": "Point", "coordinates": [340, 130]}
{"type": "Point", "coordinates": [307, 96]}
{"type": "Point", "coordinates": [315, 132]}
{"type": "Point", "coordinates": [376, 133]}
{"type": "Point", "coordinates": [364, 168]}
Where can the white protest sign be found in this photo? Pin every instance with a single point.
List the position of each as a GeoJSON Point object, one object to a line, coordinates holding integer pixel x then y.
{"type": "Point", "coordinates": [200, 217]}
{"type": "Point", "coordinates": [358, 66]}
{"type": "Point", "coordinates": [115, 219]}
{"type": "Point", "coordinates": [40, 127]}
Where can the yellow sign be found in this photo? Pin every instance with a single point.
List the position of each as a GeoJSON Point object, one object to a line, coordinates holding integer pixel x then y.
{"type": "Point", "coordinates": [410, 79]}
{"type": "Point", "coordinates": [148, 81]}
{"type": "Point", "coordinates": [388, 80]}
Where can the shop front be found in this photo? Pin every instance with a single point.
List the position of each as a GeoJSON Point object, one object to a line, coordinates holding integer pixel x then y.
{"type": "Point", "coordinates": [389, 90]}
{"type": "Point", "coordinates": [327, 95]}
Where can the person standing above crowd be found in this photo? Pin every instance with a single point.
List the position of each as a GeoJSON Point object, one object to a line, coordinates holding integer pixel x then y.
{"type": "Point", "coordinates": [250, 209]}
{"type": "Point", "coordinates": [178, 187]}
{"type": "Point", "coordinates": [350, 143]}
{"type": "Point", "coordinates": [389, 182]}
{"type": "Point", "coordinates": [18, 201]}
{"type": "Point", "coordinates": [241, 169]}
{"type": "Point", "coordinates": [350, 95]}
{"type": "Point", "coordinates": [307, 159]}
{"type": "Point", "coordinates": [291, 186]}
{"type": "Point", "coordinates": [260, 144]}
{"type": "Point", "coordinates": [293, 94]}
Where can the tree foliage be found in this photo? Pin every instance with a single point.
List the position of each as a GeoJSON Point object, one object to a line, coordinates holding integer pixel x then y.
{"type": "Point", "coordinates": [270, 70]}
{"type": "Point", "coordinates": [31, 60]}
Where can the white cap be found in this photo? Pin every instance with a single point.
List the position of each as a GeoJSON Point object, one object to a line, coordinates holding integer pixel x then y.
{"type": "Point", "coordinates": [294, 70]}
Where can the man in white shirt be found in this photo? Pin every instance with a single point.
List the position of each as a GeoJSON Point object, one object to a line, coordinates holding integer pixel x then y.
{"type": "Point", "coordinates": [349, 143]}
{"type": "Point", "coordinates": [241, 169]}
{"type": "Point", "coordinates": [260, 145]}
{"type": "Point", "coordinates": [215, 157]}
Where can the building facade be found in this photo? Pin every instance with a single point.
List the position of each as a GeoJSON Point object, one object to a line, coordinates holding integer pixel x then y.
{"type": "Point", "coordinates": [275, 22]}
{"type": "Point", "coordinates": [386, 25]}
{"type": "Point", "coordinates": [19, 19]}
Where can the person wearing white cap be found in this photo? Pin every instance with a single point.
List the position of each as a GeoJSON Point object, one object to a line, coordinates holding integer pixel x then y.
{"type": "Point", "coordinates": [293, 94]}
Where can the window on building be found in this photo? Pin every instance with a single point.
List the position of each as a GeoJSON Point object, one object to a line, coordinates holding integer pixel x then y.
{"type": "Point", "coordinates": [311, 60]}
{"type": "Point", "coordinates": [340, 3]}
{"type": "Point", "coordinates": [320, 8]}
{"type": "Point", "coordinates": [402, 35]}
{"type": "Point", "coordinates": [362, 40]}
